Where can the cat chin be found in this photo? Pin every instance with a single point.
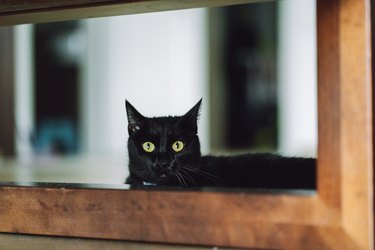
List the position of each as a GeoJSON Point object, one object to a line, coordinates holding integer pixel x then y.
{"type": "Point", "coordinates": [167, 180]}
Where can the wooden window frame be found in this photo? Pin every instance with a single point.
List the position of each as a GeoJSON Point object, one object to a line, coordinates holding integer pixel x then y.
{"type": "Point", "coordinates": [338, 216]}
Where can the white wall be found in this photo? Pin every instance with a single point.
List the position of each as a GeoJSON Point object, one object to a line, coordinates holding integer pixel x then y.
{"type": "Point", "coordinates": [297, 74]}
{"type": "Point", "coordinates": [156, 61]}
{"type": "Point", "coordinates": [24, 89]}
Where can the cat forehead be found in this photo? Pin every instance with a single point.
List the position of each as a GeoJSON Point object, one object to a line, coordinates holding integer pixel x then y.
{"type": "Point", "coordinates": [167, 124]}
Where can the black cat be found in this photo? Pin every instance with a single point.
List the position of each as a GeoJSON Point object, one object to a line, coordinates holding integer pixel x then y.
{"type": "Point", "coordinates": [166, 151]}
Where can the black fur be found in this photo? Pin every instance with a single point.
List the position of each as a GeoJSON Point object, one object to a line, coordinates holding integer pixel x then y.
{"type": "Point", "coordinates": [163, 166]}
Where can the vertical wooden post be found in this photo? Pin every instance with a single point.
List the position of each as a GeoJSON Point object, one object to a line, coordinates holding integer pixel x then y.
{"type": "Point", "coordinates": [345, 173]}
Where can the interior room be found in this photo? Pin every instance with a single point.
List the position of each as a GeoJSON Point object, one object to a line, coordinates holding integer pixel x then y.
{"type": "Point", "coordinates": [253, 65]}
{"type": "Point", "coordinates": [221, 124]}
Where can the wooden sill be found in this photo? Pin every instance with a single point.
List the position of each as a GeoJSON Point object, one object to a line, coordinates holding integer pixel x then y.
{"type": "Point", "coordinates": [338, 216]}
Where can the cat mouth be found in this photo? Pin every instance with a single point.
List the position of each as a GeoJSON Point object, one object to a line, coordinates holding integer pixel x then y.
{"type": "Point", "coordinates": [163, 176]}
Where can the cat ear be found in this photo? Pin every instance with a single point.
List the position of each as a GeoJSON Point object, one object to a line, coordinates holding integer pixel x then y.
{"type": "Point", "coordinates": [135, 119]}
{"type": "Point", "coordinates": [189, 120]}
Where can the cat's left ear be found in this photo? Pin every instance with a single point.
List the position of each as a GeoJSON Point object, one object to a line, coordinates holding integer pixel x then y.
{"type": "Point", "coordinates": [135, 119]}
{"type": "Point", "coordinates": [189, 120]}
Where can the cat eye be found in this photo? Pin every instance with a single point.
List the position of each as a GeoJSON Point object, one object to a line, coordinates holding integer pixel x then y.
{"type": "Point", "coordinates": [148, 146]}
{"type": "Point", "coordinates": [177, 146]}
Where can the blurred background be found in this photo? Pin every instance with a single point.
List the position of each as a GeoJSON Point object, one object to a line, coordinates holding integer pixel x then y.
{"type": "Point", "coordinates": [254, 66]}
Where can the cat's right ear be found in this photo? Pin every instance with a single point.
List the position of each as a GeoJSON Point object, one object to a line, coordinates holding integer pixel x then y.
{"type": "Point", "coordinates": [135, 119]}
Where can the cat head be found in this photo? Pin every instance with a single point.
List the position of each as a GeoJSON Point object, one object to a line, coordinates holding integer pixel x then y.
{"type": "Point", "coordinates": [162, 149]}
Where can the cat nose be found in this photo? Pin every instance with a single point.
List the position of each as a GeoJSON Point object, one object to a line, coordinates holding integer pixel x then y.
{"type": "Point", "coordinates": [163, 163]}
{"type": "Point", "coordinates": [163, 160]}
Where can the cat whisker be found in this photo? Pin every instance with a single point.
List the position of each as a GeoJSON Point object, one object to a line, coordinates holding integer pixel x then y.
{"type": "Point", "coordinates": [179, 179]}
{"type": "Point", "coordinates": [188, 176]}
{"type": "Point", "coordinates": [205, 174]}
{"type": "Point", "coordinates": [142, 173]}
{"type": "Point", "coordinates": [183, 179]}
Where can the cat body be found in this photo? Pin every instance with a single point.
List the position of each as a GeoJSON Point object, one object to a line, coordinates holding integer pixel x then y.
{"type": "Point", "coordinates": [166, 151]}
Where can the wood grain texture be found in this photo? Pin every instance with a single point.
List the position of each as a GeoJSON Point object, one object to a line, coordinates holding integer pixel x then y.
{"type": "Point", "coordinates": [339, 216]}
{"type": "Point", "coordinates": [329, 87]}
{"type": "Point", "coordinates": [205, 218]}
{"type": "Point", "coordinates": [357, 121]}
{"type": "Point", "coordinates": [23, 11]}
{"type": "Point", "coordinates": [345, 114]}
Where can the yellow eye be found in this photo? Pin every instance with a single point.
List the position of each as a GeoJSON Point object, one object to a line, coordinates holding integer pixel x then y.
{"type": "Point", "coordinates": [177, 146]}
{"type": "Point", "coordinates": [148, 146]}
